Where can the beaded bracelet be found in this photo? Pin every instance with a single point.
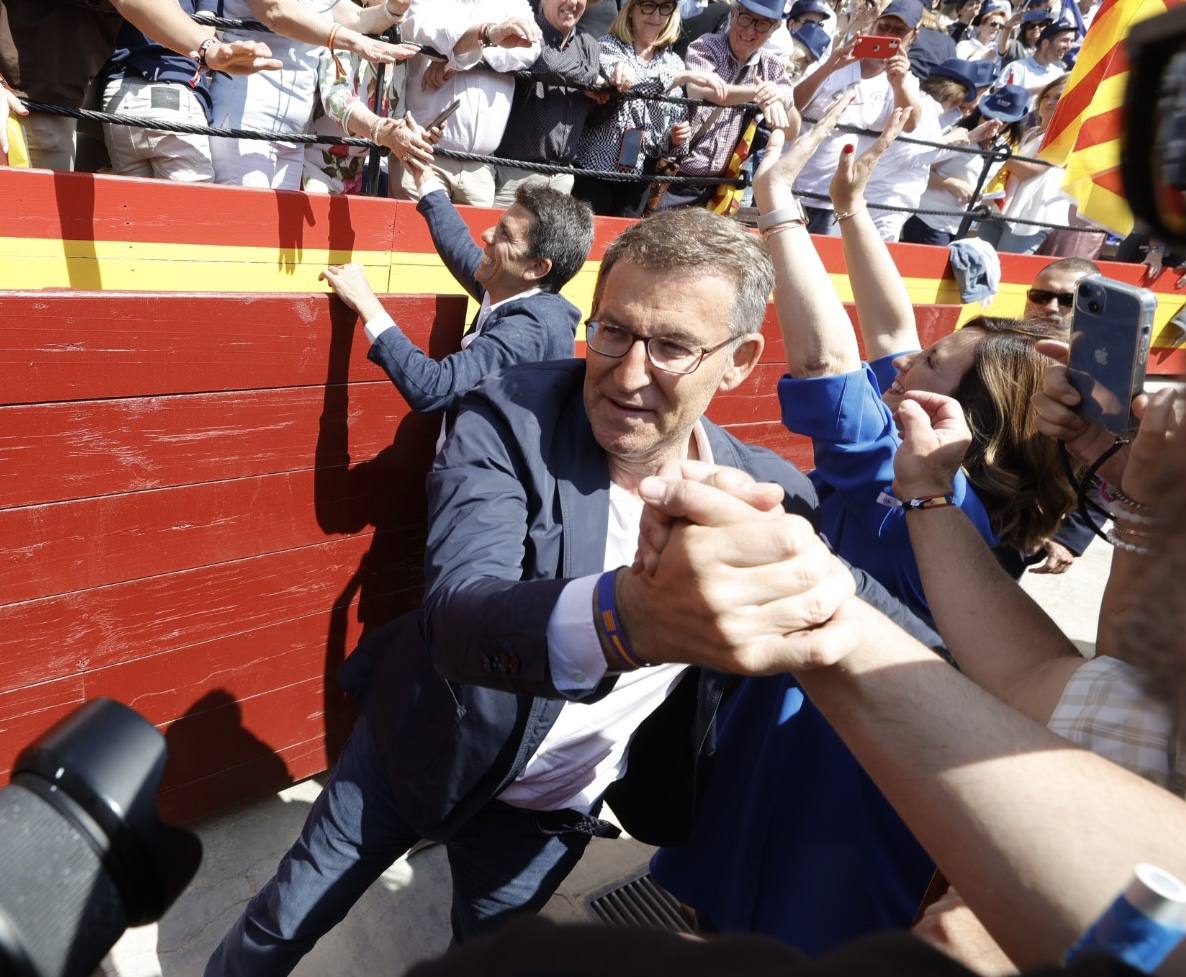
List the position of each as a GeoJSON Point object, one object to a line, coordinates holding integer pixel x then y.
{"type": "Point", "coordinates": [1117, 540]}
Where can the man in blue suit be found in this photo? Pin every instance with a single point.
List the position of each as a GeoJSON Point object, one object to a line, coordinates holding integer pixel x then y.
{"type": "Point", "coordinates": [546, 673]}
{"type": "Point", "coordinates": [538, 244]}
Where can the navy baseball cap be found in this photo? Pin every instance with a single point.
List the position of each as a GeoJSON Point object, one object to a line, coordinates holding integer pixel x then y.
{"type": "Point", "coordinates": [983, 73]}
{"type": "Point", "coordinates": [1008, 104]}
{"type": "Point", "coordinates": [771, 9]}
{"type": "Point", "coordinates": [908, 11]}
{"type": "Point", "coordinates": [1037, 16]}
{"type": "Point", "coordinates": [814, 38]}
{"type": "Point", "coordinates": [801, 7]}
{"type": "Point", "coordinates": [957, 69]}
{"type": "Point", "coordinates": [1053, 30]}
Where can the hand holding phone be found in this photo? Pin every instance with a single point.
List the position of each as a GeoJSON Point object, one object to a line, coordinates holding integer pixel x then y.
{"type": "Point", "coordinates": [1110, 335]}
{"type": "Point", "coordinates": [441, 119]}
{"type": "Point", "coordinates": [630, 151]}
{"type": "Point", "coordinates": [874, 47]}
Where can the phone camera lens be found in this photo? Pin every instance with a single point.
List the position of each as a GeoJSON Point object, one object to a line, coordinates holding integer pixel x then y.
{"type": "Point", "coordinates": [1094, 307]}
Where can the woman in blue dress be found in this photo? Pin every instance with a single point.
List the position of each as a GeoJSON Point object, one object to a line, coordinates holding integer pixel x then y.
{"type": "Point", "coordinates": [793, 839]}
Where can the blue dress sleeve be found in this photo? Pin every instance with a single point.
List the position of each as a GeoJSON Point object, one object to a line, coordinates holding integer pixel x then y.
{"type": "Point", "coordinates": [855, 440]}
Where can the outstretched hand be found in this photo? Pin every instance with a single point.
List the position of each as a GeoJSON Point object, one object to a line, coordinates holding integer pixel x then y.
{"type": "Point", "coordinates": [852, 172]}
{"type": "Point", "coordinates": [935, 439]}
{"type": "Point", "coordinates": [239, 57]}
{"type": "Point", "coordinates": [777, 174]}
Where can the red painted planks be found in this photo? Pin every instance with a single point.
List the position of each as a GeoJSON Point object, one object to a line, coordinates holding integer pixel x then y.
{"type": "Point", "coordinates": [90, 345]}
{"type": "Point", "coordinates": [236, 604]}
{"type": "Point", "coordinates": [79, 449]}
{"type": "Point", "coordinates": [88, 207]}
{"type": "Point", "coordinates": [28, 712]}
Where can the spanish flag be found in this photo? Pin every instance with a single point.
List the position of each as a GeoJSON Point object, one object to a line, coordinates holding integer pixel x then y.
{"type": "Point", "coordinates": [1085, 133]}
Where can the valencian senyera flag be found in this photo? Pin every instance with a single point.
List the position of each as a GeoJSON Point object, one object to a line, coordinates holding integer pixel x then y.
{"type": "Point", "coordinates": [1085, 133]}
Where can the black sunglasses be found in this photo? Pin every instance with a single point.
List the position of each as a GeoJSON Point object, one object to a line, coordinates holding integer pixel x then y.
{"type": "Point", "coordinates": [1039, 296]}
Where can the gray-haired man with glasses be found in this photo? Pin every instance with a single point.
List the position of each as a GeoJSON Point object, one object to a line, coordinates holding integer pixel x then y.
{"type": "Point", "coordinates": [753, 72]}
{"type": "Point", "coordinates": [546, 673]}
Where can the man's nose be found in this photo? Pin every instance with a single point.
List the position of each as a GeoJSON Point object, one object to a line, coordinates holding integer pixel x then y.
{"type": "Point", "coordinates": [634, 369]}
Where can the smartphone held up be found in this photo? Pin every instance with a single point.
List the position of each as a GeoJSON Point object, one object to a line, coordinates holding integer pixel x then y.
{"type": "Point", "coordinates": [1110, 335]}
{"type": "Point", "coordinates": [873, 47]}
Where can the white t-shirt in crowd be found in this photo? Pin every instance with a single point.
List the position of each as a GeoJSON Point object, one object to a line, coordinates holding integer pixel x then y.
{"type": "Point", "coordinates": [486, 92]}
{"type": "Point", "coordinates": [585, 751]}
{"type": "Point", "coordinates": [1031, 75]}
{"type": "Point", "coordinates": [1040, 198]}
{"type": "Point", "coordinates": [900, 177]}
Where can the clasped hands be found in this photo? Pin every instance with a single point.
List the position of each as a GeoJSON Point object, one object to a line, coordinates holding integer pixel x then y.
{"type": "Point", "coordinates": [726, 579]}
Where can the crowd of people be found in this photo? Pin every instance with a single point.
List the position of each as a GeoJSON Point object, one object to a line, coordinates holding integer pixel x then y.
{"type": "Point", "coordinates": [586, 85]}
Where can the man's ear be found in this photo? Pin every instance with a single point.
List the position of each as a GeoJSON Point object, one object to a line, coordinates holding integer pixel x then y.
{"type": "Point", "coordinates": [538, 270]}
{"type": "Point", "coordinates": [743, 360]}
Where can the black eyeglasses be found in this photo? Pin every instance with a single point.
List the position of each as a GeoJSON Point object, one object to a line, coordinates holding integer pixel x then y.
{"type": "Point", "coordinates": [648, 7]}
{"type": "Point", "coordinates": [1040, 296]}
{"type": "Point", "coordinates": [668, 355]}
{"type": "Point", "coordinates": [759, 25]}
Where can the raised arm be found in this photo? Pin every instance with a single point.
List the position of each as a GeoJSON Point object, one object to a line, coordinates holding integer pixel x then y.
{"type": "Point", "coordinates": [1000, 638]}
{"type": "Point", "coordinates": [815, 328]}
{"type": "Point", "coordinates": [885, 314]}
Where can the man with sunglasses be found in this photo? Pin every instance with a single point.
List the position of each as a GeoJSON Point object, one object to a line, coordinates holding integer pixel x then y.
{"type": "Point", "coordinates": [1050, 300]}
{"type": "Point", "coordinates": [1051, 296]}
{"type": "Point", "coordinates": [498, 717]}
{"type": "Point", "coordinates": [753, 72]}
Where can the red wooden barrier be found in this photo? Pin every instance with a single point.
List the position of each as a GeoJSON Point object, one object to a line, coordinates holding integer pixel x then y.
{"type": "Point", "coordinates": [207, 500]}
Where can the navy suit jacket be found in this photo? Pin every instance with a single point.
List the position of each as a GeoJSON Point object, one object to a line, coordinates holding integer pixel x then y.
{"type": "Point", "coordinates": [461, 696]}
{"type": "Point", "coordinates": [522, 330]}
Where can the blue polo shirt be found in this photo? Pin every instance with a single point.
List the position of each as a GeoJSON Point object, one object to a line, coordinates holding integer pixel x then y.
{"type": "Point", "coordinates": [855, 440]}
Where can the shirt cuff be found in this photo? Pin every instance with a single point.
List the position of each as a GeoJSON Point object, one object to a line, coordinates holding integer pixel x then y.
{"type": "Point", "coordinates": [431, 185]}
{"type": "Point", "coordinates": [575, 657]}
{"type": "Point", "coordinates": [375, 327]}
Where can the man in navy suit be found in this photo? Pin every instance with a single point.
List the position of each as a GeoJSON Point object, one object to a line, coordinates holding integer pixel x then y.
{"type": "Point", "coordinates": [546, 673]}
{"type": "Point", "coordinates": [538, 244]}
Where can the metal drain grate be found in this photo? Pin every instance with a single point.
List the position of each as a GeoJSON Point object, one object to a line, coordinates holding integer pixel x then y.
{"type": "Point", "coordinates": [640, 902]}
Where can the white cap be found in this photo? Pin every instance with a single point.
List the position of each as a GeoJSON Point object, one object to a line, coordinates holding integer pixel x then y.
{"type": "Point", "coordinates": [1159, 895]}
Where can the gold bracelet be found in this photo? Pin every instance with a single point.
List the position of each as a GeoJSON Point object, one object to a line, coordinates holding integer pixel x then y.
{"type": "Point", "coordinates": [849, 213]}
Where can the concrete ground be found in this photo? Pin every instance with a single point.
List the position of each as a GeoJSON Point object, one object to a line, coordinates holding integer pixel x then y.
{"type": "Point", "coordinates": [405, 915]}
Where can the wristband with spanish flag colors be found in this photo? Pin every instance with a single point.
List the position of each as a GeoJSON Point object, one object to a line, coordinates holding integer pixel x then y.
{"type": "Point", "coordinates": [929, 502]}
{"type": "Point", "coordinates": [609, 625]}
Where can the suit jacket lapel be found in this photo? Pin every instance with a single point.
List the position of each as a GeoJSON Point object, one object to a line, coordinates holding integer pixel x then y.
{"type": "Point", "coordinates": [582, 484]}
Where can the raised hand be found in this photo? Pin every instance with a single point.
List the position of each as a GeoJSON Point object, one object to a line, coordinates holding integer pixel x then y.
{"type": "Point", "coordinates": [779, 169]}
{"type": "Point", "coordinates": [718, 88]}
{"type": "Point", "coordinates": [852, 172]}
{"type": "Point", "coordinates": [935, 439]}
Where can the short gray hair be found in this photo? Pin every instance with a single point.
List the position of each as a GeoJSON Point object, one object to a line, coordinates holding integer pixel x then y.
{"type": "Point", "coordinates": [696, 240]}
